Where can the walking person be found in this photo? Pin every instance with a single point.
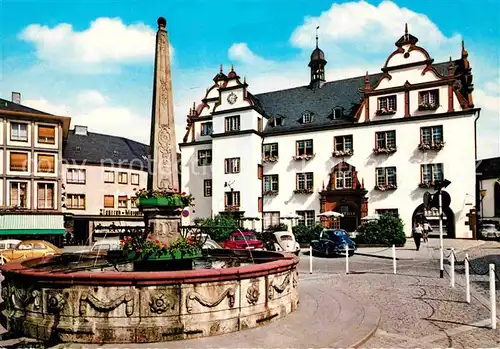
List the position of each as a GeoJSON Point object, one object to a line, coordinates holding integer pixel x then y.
{"type": "Point", "coordinates": [417, 235]}
{"type": "Point", "coordinates": [427, 229]}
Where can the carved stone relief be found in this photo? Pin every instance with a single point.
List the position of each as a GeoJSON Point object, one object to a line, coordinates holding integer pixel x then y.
{"type": "Point", "coordinates": [102, 307]}
{"type": "Point", "coordinates": [278, 288]}
{"type": "Point", "coordinates": [55, 302]}
{"type": "Point", "coordinates": [164, 165]}
{"type": "Point", "coordinates": [194, 296]}
{"type": "Point", "coordinates": [160, 303]}
{"type": "Point", "coordinates": [253, 293]}
{"type": "Point", "coordinates": [21, 297]}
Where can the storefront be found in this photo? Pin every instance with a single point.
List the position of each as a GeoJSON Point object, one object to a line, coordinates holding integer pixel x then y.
{"type": "Point", "coordinates": [32, 226]}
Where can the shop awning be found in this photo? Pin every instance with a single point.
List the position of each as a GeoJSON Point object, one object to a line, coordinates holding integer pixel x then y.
{"type": "Point", "coordinates": [31, 224]}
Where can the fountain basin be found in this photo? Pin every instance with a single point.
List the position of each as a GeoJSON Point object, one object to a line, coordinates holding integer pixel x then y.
{"type": "Point", "coordinates": [145, 306]}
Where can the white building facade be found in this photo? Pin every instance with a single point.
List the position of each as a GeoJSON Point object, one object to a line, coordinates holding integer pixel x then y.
{"type": "Point", "coordinates": [358, 146]}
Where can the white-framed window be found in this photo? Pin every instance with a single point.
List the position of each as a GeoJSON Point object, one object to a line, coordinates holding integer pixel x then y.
{"type": "Point", "coordinates": [386, 176]}
{"type": "Point", "coordinates": [18, 131]}
{"type": "Point", "coordinates": [18, 194]}
{"type": "Point", "coordinates": [232, 198]}
{"type": "Point", "coordinates": [18, 162]}
{"type": "Point", "coordinates": [75, 176]}
{"type": "Point", "coordinates": [207, 188]}
{"type": "Point", "coordinates": [122, 201]}
{"type": "Point", "coordinates": [232, 165]}
{"type": "Point", "coordinates": [431, 172]}
{"type": "Point", "coordinates": [45, 196]}
{"type": "Point", "coordinates": [429, 98]}
{"type": "Point", "coordinates": [304, 180]}
{"type": "Point", "coordinates": [204, 157]}
{"type": "Point", "coordinates": [232, 123]}
{"type": "Point", "coordinates": [307, 218]}
{"type": "Point", "coordinates": [306, 118]}
{"type": "Point", "coordinates": [75, 201]}
{"type": "Point", "coordinates": [122, 177]}
{"type": "Point", "coordinates": [386, 139]}
{"type": "Point", "coordinates": [46, 134]}
{"type": "Point", "coordinates": [304, 147]}
{"type": "Point", "coordinates": [431, 134]}
{"type": "Point", "coordinates": [270, 219]}
{"type": "Point", "coordinates": [343, 143]}
{"type": "Point", "coordinates": [343, 179]}
{"type": "Point", "coordinates": [387, 103]}
{"type": "Point", "coordinates": [277, 121]}
{"type": "Point", "coordinates": [271, 182]}
{"type": "Point", "coordinates": [134, 179]}
{"type": "Point", "coordinates": [109, 176]}
{"type": "Point", "coordinates": [206, 128]}
{"type": "Point", "coordinates": [271, 149]}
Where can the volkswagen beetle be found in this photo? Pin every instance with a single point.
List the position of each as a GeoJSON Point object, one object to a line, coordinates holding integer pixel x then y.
{"type": "Point", "coordinates": [332, 242]}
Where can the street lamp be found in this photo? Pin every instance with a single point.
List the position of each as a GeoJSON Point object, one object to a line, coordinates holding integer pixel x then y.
{"type": "Point", "coordinates": [440, 185]}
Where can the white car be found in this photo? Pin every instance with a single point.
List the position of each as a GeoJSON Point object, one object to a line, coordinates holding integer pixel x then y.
{"type": "Point", "coordinates": [490, 231]}
{"type": "Point", "coordinates": [9, 244]}
{"type": "Point", "coordinates": [103, 245]}
{"type": "Point", "coordinates": [285, 241]}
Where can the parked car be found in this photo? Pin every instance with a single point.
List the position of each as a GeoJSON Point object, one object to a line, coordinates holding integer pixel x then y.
{"type": "Point", "coordinates": [281, 241]}
{"type": "Point", "coordinates": [27, 250]}
{"type": "Point", "coordinates": [103, 245]}
{"type": "Point", "coordinates": [333, 241]}
{"type": "Point", "coordinates": [243, 240]}
{"type": "Point", "coordinates": [490, 231]}
{"type": "Point", "coordinates": [210, 244]}
{"type": "Point", "coordinates": [9, 244]}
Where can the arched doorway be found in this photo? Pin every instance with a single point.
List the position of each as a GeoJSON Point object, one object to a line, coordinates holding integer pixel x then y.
{"type": "Point", "coordinates": [496, 199]}
{"type": "Point", "coordinates": [432, 216]}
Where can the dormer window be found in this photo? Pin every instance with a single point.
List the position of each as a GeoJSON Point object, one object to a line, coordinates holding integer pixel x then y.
{"type": "Point", "coordinates": [306, 118]}
{"type": "Point", "coordinates": [387, 105]}
{"type": "Point", "coordinates": [278, 121]}
{"type": "Point", "coordinates": [337, 113]}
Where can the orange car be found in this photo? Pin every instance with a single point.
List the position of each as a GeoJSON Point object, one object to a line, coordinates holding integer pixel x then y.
{"type": "Point", "coordinates": [27, 250]}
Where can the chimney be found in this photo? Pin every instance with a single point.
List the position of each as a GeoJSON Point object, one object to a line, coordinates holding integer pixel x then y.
{"type": "Point", "coordinates": [16, 97]}
{"type": "Point", "coordinates": [80, 130]}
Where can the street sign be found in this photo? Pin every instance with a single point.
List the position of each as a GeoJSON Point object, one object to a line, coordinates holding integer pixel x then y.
{"type": "Point", "coordinates": [427, 200]}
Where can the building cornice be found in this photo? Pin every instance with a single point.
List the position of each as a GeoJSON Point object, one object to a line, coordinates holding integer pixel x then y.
{"type": "Point", "coordinates": [409, 87]}
{"type": "Point", "coordinates": [408, 65]}
{"type": "Point", "coordinates": [323, 127]}
{"type": "Point", "coordinates": [204, 142]}
{"type": "Point", "coordinates": [236, 133]}
{"type": "Point", "coordinates": [63, 120]}
{"type": "Point", "coordinates": [235, 110]}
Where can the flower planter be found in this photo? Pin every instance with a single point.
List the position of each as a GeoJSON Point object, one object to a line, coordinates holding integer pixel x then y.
{"type": "Point", "coordinates": [383, 112]}
{"type": "Point", "coordinates": [423, 107]}
{"type": "Point", "coordinates": [165, 262]}
{"type": "Point", "coordinates": [161, 202]}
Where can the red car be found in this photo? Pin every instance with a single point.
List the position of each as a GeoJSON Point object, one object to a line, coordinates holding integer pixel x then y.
{"type": "Point", "coordinates": [243, 240]}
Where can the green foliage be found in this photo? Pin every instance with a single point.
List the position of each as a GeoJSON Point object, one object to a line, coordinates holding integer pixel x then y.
{"type": "Point", "coordinates": [388, 230]}
{"type": "Point", "coordinates": [220, 227]}
{"type": "Point", "coordinates": [305, 234]}
{"type": "Point", "coordinates": [155, 249]}
{"type": "Point", "coordinates": [278, 227]}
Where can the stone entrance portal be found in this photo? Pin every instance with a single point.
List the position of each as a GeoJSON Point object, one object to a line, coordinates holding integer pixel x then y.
{"type": "Point", "coordinates": [344, 194]}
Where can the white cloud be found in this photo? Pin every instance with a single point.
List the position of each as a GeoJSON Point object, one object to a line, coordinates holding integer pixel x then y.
{"type": "Point", "coordinates": [241, 53]}
{"type": "Point", "coordinates": [369, 28]}
{"type": "Point", "coordinates": [106, 43]}
{"type": "Point", "coordinates": [99, 116]}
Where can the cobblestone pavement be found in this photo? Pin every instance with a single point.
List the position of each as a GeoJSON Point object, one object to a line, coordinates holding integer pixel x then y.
{"type": "Point", "coordinates": [418, 309]}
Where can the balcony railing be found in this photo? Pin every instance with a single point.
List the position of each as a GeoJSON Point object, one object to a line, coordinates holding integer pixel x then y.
{"type": "Point", "coordinates": [303, 191]}
{"type": "Point", "coordinates": [384, 187]}
{"type": "Point", "coordinates": [385, 150]}
{"type": "Point", "coordinates": [306, 157]}
{"type": "Point", "coordinates": [270, 158]}
{"type": "Point", "coordinates": [342, 153]}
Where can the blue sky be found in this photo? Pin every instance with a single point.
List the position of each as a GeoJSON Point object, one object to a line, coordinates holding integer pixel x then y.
{"type": "Point", "coordinates": [93, 60]}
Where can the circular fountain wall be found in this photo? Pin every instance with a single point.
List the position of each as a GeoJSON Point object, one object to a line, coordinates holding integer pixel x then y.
{"type": "Point", "coordinates": [135, 307]}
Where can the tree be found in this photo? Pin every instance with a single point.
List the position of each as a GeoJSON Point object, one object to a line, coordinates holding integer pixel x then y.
{"type": "Point", "coordinates": [388, 230]}
{"type": "Point", "coordinates": [220, 227]}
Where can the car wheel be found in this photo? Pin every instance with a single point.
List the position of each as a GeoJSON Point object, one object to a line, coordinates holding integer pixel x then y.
{"type": "Point", "coordinates": [328, 252]}
{"type": "Point", "coordinates": [351, 253]}
{"type": "Point", "coordinates": [3, 260]}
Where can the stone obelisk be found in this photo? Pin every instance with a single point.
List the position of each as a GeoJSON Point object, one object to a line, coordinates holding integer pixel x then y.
{"type": "Point", "coordinates": [163, 170]}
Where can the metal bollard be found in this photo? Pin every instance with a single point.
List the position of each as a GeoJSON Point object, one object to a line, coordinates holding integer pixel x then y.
{"type": "Point", "coordinates": [347, 259]}
{"type": "Point", "coordinates": [310, 260]}
{"type": "Point", "coordinates": [467, 279]}
{"type": "Point", "coordinates": [492, 297]}
{"type": "Point", "coordinates": [394, 258]}
{"type": "Point", "coordinates": [452, 267]}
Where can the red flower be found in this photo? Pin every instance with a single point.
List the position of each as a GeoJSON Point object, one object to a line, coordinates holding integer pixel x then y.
{"type": "Point", "coordinates": [137, 250]}
{"type": "Point", "coordinates": [183, 193]}
{"type": "Point", "coordinates": [157, 241]}
{"type": "Point", "coordinates": [165, 245]}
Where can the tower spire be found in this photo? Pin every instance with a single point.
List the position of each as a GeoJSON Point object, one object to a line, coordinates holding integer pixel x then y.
{"type": "Point", "coordinates": [317, 36]}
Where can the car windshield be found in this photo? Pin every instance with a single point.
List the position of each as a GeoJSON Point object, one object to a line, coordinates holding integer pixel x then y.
{"type": "Point", "coordinates": [286, 237]}
{"type": "Point", "coordinates": [103, 247]}
{"type": "Point", "coordinates": [240, 237]}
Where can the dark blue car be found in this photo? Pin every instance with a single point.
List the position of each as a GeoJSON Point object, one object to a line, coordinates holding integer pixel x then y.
{"type": "Point", "coordinates": [333, 241]}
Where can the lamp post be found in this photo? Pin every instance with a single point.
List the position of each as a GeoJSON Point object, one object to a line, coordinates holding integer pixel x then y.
{"type": "Point", "coordinates": [440, 185]}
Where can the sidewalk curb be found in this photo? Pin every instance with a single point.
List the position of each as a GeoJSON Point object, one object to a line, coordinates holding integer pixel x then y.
{"type": "Point", "coordinates": [370, 310]}
{"type": "Point", "coordinates": [383, 257]}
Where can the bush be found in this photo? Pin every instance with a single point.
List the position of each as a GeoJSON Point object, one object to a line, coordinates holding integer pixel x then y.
{"type": "Point", "coordinates": [220, 227]}
{"type": "Point", "coordinates": [277, 227]}
{"type": "Point", "coordinates": [305, 234]}
{"type": "Point", "coordinates": [388, 230]}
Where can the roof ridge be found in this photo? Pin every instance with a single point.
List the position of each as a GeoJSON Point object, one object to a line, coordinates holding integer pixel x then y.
{"type": "Point", "coordinates": [2, 100]}
{"type": "Point", "coordinates": [108, 135]}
